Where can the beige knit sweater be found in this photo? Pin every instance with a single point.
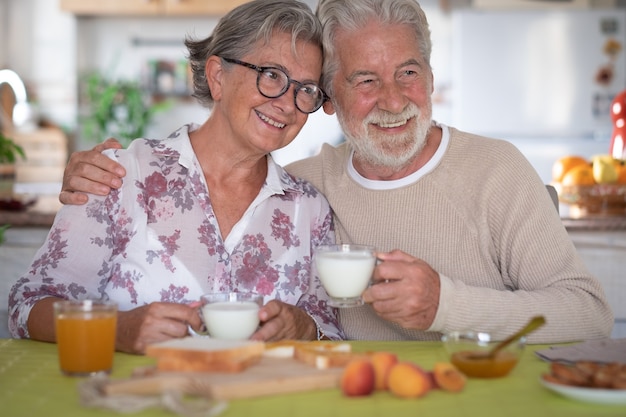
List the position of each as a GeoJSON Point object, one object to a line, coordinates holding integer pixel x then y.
{"type": "Point", "coordinates": [482, 218]}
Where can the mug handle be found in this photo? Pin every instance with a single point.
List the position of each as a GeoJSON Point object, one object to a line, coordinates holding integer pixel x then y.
{"type": "Point", "coordinates": [193, 333]}
{"type": "Point", "coordinates": [204, 332]}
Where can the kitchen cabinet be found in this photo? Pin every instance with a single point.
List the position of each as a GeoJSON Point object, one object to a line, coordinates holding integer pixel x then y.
{"type": "Point", "coordinates": [604, 254]}
{"type": "Point", "coordinates": [16, 255]}
{"type": "Point", "coordinates": [525, 4]}
{"type": "Point", "coordinates": [196, 7]}
{"type": "Point", "coordinates": [149, 7]}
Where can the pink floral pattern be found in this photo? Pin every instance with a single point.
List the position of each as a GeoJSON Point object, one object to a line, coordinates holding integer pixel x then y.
{"type": "Point", "coordinates": [157, 239]}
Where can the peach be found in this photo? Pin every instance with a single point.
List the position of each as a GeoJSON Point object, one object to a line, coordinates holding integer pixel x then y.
{"type": "Point", "coordinates": [358, 378]}
{"type": "Point", "coordinates": [407, 380]}
{"type": "Point", "coordinates": [448, 377]}
{"type": "Point", "coordinates": [383, 362]}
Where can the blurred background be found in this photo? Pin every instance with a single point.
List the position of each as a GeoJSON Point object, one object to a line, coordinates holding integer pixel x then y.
{"type": "Point", "coordinates": [538, 73]}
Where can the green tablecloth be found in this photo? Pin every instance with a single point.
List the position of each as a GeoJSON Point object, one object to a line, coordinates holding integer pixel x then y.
{"type": "Point", "coordinates": [32, 386]}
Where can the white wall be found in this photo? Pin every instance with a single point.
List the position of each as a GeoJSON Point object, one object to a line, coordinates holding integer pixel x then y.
{"type": "Point", "coordinates": [4, 32]}
{"type": "Point", "coordinates": [38, 42]}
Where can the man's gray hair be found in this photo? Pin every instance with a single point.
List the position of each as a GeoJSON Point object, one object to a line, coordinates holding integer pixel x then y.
{"type": "Point", "coordinates": [238, 32]}
{"type": "Point", "coordinates": [354, 14]}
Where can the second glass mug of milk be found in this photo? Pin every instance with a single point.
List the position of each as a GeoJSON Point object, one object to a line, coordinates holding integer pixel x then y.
{"type": "Point", "coordinates": [231, 315]}
{"type": "Point", "coordinates": [345, 272]}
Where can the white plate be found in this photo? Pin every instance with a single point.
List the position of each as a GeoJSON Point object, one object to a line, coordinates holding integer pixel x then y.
{"type": "Point", "coordinates": [591, 395]}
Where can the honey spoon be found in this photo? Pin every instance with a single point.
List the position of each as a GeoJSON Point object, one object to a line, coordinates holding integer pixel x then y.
{"type": "Point", "coordinates": [534, 323]}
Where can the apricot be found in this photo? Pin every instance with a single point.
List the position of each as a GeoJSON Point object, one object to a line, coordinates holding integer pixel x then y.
{"type": "Point", "coordinates": [358, 378]}
{"type": "Point", "coordinates": [433, 381]}
{"type": "Point", "coordinates": [383, 362]}
{"type": "Point", "coordinates": [407, 380]}
{"type": "Point", "coordinates": [448, 378]}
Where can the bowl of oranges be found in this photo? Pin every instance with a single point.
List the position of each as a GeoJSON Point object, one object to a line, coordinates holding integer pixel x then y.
{"type": "Point", "coordinates": [591, 187]}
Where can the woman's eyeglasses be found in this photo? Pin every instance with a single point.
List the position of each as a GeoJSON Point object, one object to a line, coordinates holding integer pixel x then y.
{"type": "Point", "coordinates": [273, 82]}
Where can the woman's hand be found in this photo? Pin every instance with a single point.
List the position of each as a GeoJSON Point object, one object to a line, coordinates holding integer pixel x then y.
{"type": "Point", "coordinates": [284, 321]}
{"type": "Point", "coordinates": [152, 323]}
{"type": "Point", "coordinates": [91, 172]}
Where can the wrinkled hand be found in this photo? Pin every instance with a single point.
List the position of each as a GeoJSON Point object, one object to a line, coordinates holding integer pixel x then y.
{"type": "Point", "coordinates": [284, 321]}
{"type": "Point", "coordinates": [91, 172]}
{"type": "Point", "coordinates": [410, 298]}
{"type": "Point", "coordinates": [155, 322]}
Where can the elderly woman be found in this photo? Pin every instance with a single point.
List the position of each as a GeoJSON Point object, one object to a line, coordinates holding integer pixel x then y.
{"type": "Point", "coordinates": [207, 209]}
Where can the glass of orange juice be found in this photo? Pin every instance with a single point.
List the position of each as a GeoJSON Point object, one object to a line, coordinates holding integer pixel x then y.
{"type": "Point", "coordinates": [85, 332]}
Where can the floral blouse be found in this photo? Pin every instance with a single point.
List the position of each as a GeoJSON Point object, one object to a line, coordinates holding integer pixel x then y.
{"type": "Point", "coordinates": [157, 239]}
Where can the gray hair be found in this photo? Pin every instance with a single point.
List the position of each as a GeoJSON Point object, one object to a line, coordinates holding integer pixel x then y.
{"type": "Point", "coordinates": [355, 14]}
{"type": "Point", "coordinates": [238, 32]}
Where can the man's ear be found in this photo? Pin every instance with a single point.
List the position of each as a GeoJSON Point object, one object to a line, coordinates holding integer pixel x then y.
{"type": "Point", "coordinates": [214, 71]}
{"type": "Point", "coordinates": [432, 82]}
{"type": "Point", "coordinates": [328, 107]}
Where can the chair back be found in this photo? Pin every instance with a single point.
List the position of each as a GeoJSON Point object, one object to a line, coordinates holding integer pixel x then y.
{"type": "Point", "coordinates": [554, 195]}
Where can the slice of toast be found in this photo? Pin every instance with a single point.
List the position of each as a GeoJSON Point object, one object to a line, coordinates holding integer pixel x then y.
{"type": "Point", "coordinates": [319, 354]}
{"type": "Point", "coordinates": [200, 354]}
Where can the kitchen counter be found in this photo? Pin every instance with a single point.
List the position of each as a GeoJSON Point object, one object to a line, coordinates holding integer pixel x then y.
{"type": "Point", "coordinates": [595, 223]}
{"type": "Point", "coordinates": [40, 214]}
{"type": "Point", "coordinates": [43, 211]}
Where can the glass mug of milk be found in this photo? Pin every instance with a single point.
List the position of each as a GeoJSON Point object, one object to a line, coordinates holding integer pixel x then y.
{"type": "Point", "coordinates": [231, 315]}
{"type": "Point", "coordinates": [345, 272]}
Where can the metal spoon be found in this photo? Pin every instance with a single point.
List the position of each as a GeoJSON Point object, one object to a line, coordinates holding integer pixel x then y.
{"type": "Point", "coordinates": [534, 323]}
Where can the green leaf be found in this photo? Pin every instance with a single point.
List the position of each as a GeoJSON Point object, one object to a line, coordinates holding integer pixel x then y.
{"type": "Point", "coordinates": [116, 108]}
{"type": "Point", "coordinates": [9, 150]}
{"type": "Point", "coordinates": [3, 228]}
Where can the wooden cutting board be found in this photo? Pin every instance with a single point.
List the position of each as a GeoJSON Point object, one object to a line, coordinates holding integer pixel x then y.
{"type": "Point", "coordinates": [270, 376]}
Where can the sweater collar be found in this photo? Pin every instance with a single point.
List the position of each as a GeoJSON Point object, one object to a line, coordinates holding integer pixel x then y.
{"type": "Point", "coordinates": [410, 179]}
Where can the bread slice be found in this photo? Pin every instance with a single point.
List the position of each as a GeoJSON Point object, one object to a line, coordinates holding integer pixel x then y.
{"type": "Point", "coordinates": [325, 355]}
{"type": "Point", "coordinates": [281, 349]}
{"type": "Point", "coordinates": [319, 354]}
{"type": "Point", "coordinates": [203, 354]}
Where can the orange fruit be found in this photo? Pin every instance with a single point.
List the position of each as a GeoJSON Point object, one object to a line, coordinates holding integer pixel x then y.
{"type": "Point", "coordinates": [579, 175]}
{"type": "Point", "coordinates": [564, 164]}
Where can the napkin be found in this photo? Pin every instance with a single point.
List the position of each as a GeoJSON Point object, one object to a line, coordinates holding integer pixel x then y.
{"type": "Point", "coordinates": [603, 350]}
{"type": "Point", "coordinates": [91, 394]}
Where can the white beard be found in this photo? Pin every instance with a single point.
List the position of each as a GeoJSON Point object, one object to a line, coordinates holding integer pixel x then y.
{"type": "Point", "coordinates": [388, 150]}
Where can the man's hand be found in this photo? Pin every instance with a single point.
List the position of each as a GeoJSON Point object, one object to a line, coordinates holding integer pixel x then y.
{"type": "Point", "coordinates": [153, 323]}
{"type": "Point", "coordinates": [284, 321]}
{"type": "Point", "coordinates": [405, 290]}
{"type": "Point", "coordinates": [91, 172]}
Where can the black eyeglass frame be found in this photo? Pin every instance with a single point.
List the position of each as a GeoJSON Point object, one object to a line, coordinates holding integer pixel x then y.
{"type": "Point", "coordinates": [300, 85]}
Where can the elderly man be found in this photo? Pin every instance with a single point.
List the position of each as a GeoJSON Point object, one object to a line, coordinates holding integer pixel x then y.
{"type": "Point", "coordinates": [466, 232]}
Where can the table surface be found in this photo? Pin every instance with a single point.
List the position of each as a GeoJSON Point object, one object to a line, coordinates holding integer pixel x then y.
{"type": "Point", "coordinates": [31, 385]}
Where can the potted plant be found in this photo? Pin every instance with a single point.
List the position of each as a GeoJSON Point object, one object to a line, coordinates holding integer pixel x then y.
{"type": "Point", "coordinates": [9, 152]}
{"type": "Point", "coordinates": [116, 108]}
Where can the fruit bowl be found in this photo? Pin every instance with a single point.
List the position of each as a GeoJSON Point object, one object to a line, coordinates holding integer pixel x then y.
{"type": "Point", "coordinates": [465, 350]}
{"type": "Point", "coordinates": [593, 200]}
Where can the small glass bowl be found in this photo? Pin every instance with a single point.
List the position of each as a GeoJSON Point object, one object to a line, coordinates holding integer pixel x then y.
{"type": "Point", "coordinates": [467, 349]}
